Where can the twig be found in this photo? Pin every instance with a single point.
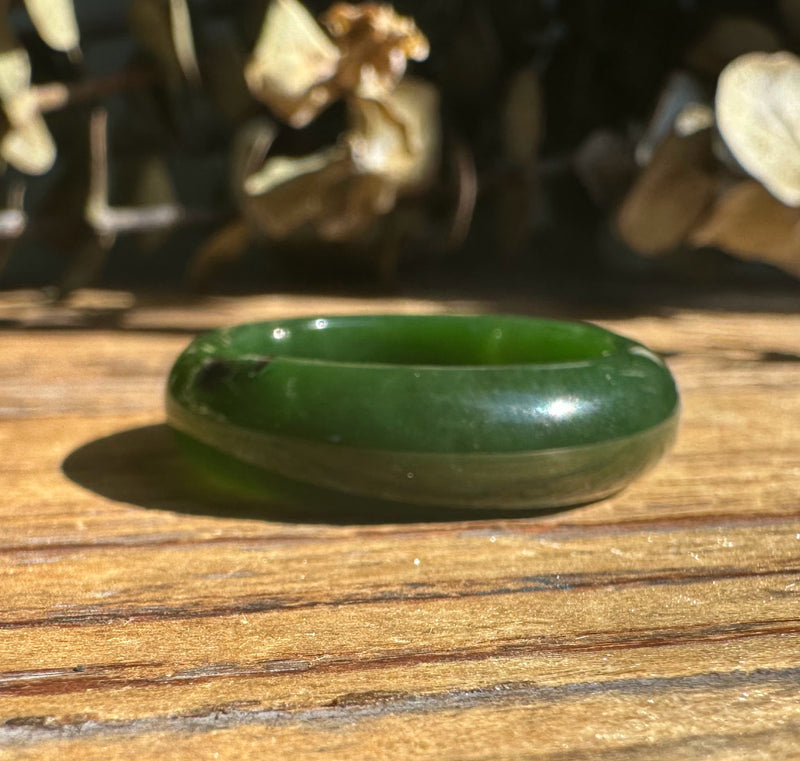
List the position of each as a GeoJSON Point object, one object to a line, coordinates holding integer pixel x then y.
{"type": "Point", "coordinates": [57, 95]}
{"type": "Point", "coordinates": [467, 184]}
{"type": "Point", "coordinates": [110, 221]}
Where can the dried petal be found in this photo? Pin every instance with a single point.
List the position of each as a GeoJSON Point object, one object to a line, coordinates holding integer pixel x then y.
{"type": "Point", "coordinates": [280, 170]}
{"type": "Point", "coordinates": [376, 44]}
{"type": "Point", "coordinates": [56, 23]}
{"type": "Point", "coordinates": [26, 143]}
{"type": "Point", "coordinates": [749, 223]}
{"type": "Point", "coordinates": [292, 192]}
{"type": "Point", "coordinates": [29, 145]}
{"type": "Point", "coordinates": [670, 195]}
{"type": "Point", "coordinates": [390, 149]}
{"type": "Point", "coordinates": [758, 114]}
{"type": "Point", "coordinates": [397, 139]}
{"type": "Point", "coordinates": [290, 62]}
{"type": "Point", "coordinates": [15, 66]}
{"type": "Point", "coordinates": [694, 117]}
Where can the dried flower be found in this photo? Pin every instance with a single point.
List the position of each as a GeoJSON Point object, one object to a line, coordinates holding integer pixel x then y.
{"type": "Point", "coordinates": [391, 148]}
{"type": "Point", "coordinates": [292, 63]}
{"type": "Point", "coordinates": [298, 70]}
{"type": "Point", "coordinates": [758, 115]}
{"type": "Point", "coordinates": [375, 44]}
{"type": "Point", "coordinates": [26, 142]}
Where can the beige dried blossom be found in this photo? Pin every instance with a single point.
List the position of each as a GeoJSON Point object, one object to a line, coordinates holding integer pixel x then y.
{"type": "Point", "coordinates": [292, 63]}
{"type": "Point", "coordinates": [26, 142]}
{"type": "Point", "coordinates": [390, 149]}
{"type": "Point", "coordinates": [56, 24]}
{"type": "Point", "coordinates": [758, 115]}
{"type": "Point", "coordinates": [375, 43]}
{"type": "Point", "coordinates": [397, 138]}
{"type": "Point", "coordinates": [298, 70]}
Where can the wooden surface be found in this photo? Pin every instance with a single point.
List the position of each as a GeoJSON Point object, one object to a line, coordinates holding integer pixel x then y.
{"type": "Point", "coordinates": [141, 620]}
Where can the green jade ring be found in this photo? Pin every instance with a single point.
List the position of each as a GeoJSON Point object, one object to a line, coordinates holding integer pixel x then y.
{"type": "Point", "coordinates": [458, 411]}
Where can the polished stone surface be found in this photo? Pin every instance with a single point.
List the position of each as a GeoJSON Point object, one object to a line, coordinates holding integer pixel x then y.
{"type": "Point", "coordinates": [444, 410]}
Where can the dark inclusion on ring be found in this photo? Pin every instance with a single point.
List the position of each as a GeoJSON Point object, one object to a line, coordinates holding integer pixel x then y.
{"type": "Point", "coordinates": [215, 372]}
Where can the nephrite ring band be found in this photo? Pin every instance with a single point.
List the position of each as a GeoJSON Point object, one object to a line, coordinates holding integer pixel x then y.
{"type": "Point", "coordinates": [462, 411]}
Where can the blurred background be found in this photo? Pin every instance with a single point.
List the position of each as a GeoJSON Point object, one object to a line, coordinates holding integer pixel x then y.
{"type": "Point", "coordinates": [600, 147]}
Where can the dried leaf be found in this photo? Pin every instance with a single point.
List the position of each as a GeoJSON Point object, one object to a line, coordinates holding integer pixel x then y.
{"type": "Point", "coordinates": [55, 23]}
{"type": "Point", "coordinates": [728, 38]}
{"type": "Point", "coordinates": [758, 114]}
{"type": "Point", "coordinates": [670, 195]}
{"type": "Point", "coordinates": [751, 224]}
{"type": "Point", "coordinates": [523, 116]}
{"type": "Point", "coordinates": [291, 60]}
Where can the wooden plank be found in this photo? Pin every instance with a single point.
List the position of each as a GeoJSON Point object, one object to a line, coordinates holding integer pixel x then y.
{"type": "Point", "coordinates": [140, 620]}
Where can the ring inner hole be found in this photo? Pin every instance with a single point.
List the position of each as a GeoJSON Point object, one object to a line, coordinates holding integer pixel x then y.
{"type": "Point", "coordinates": [447, 341]}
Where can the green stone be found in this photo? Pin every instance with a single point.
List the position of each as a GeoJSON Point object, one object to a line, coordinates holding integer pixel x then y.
{"type": "Point", "coordinates": [454, 411]}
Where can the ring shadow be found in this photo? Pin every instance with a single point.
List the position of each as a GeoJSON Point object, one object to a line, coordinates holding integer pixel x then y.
{"type": "Point", "coordinates": [145, 466]}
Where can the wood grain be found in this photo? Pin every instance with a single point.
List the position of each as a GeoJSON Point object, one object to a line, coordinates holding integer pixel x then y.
{"type": "Point", "coordinates": [142, 619]}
